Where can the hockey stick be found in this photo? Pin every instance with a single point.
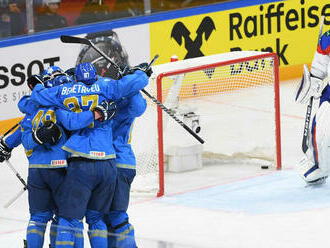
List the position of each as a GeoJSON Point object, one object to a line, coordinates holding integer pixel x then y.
{"type": "Point", "coordinates": [11, 129]}
{"type": "Point", "coordinates": [21, 180]}
{"type": "Point", "coordinates": [8, 163]}
{"type": "Point", "coordinates": [72, 39]}
{"type": "Point", "coordinates": [16, 173]}
{"type": "Point", "coordinates": [310, 104]}
{"type": "Point", "coordinates": [11, 201]}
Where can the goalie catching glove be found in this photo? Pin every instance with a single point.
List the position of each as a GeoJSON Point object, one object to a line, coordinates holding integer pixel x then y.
{"type": "Point", "coordinates": [106, 109]}
{"type": "Point", "coordinates": [48, 133]}
{"type": "Point", "coordinates": [310, 86]}
{"type": "Point", "coordinates": [5, 151]}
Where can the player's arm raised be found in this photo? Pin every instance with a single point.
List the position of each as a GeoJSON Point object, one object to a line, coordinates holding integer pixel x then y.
{"type": "Point", "coordinates": [127, 86]}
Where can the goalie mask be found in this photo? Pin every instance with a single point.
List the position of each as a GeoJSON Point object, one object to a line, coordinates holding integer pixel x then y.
{"type": "Point", "coordinates": [108, 43]}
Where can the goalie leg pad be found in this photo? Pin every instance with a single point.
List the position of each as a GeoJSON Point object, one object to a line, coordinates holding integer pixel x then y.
{"type": "Point", "coordinates": [317, 166]}
{"type": "Point", "coordinates": [321, 137]}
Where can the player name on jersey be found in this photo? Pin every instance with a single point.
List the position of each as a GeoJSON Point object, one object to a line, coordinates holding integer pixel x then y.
{"type": "Point", "coordinates": [77, 88]}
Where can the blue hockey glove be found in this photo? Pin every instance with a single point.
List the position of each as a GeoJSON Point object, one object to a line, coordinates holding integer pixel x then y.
{"type": "Point", "coordinates": [107, 110]}
{"type": "Point", "coordinates": [48, 133]}
{"type": "Point", "coordinates": [5, 151]}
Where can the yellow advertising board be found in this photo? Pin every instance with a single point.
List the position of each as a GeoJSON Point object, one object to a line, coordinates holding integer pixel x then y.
{"type": "Point", "coordinates": [289, 28]}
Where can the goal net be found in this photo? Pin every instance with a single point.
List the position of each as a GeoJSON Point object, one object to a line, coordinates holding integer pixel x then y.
{"type": "Point", "coordinates": [230, 100]}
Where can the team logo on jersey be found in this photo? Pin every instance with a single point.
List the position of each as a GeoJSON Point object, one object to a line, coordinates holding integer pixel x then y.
{"type": "Point", "coordinates": [180, 32]}
{"type": "Point", "coordinates": [86, 75]}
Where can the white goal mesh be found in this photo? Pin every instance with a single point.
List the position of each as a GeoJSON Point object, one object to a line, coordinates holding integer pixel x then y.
{"type": "Point", "coordinates": [234, 97]}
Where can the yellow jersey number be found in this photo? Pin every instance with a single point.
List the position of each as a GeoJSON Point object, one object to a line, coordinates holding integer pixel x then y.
{"type": "Point", "coordinates": [72, 103]}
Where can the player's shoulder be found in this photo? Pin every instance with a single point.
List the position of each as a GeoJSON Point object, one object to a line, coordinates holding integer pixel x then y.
{"type": "Point", "coordinates": [26, 105]}
{"type": "Point", "coordinates": [103, 82]}
{"type": "Point", "coordinates": [325, 40]}
{"type": "Point", "coordinates": [104, 79]}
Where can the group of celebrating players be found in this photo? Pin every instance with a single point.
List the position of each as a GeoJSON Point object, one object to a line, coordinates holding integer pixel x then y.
{"type": "Point", "coordinates": [76, 133]}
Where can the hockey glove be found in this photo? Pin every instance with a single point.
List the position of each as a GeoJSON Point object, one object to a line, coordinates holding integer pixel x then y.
{"type": "Point", "coordinates": [5, 151]}
{"type": "Point", "coordinates": [48, 133]}
{"type": "Point", "coordinates": [107, 110]}
{"type": "Point", "coordinates": [34, 80]}
{"type": "Point", "coordinates": [310, 86]}
{"type": "Point", "coordinates": [316, 87]}
{"type": "Point", "coordinates": [143, 67]}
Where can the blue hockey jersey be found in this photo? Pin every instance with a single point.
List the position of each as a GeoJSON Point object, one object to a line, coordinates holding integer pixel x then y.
{"type": "Point", "coordinates": [324, 44]}
{"type": "Point", "coordinates": [94, 141]}
{"type": "Point", "coordinates": [48, 156]}
{"type": "Point", "coordinates": [14, 139]}
{"type": "Point", "coordinates": [128, 110]}
{"type": "Point", "coordinates": [40, 156]}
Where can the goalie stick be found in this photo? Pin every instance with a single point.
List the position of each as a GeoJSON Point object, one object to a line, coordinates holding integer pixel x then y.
{"type": "Point", "coordinates": [73, 39]}
{"type": "Point", "coordinates": [310, 104]}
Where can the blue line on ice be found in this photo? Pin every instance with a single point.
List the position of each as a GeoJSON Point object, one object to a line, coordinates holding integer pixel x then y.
{"type": "Point", "coordinates": [282, 191]}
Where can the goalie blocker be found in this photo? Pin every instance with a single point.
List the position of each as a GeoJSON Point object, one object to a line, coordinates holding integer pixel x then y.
{"type": "Point", "coordinates": [310, 86]}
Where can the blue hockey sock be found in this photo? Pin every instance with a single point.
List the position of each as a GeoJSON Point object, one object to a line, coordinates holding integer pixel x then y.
{"type": "Point", "coordinates": [69, 233]}
{"type": "Point", "coordinates": [97, 229]}
{"type": "Point", "coordinates": [123, 232]}
{"type": "Point", "coordinates": [36, 229]}
{"type": "Point", "coordinates": [53, 232]}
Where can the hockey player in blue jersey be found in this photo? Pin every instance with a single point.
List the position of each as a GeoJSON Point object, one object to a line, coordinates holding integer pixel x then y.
{"type": "Point", "coordinates": [117, 220]}
{"type": "Point", "coordinates": [90, 182]}
{"type": "Point", "coordinates": [314, 167]}
{"type": "Point", "coordinates": [42, 139]}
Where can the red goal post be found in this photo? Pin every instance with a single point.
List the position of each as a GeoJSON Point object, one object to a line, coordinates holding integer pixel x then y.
{"type": "Point", "coordinates": [240, 80]}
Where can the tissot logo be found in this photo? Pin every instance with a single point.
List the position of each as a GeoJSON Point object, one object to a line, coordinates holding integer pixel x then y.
{"type": "Point", "coordinates": [180, 32]}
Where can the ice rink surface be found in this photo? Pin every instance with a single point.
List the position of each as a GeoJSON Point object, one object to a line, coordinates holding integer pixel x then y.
{"type": "Point", "coordinates": [228, 204]}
